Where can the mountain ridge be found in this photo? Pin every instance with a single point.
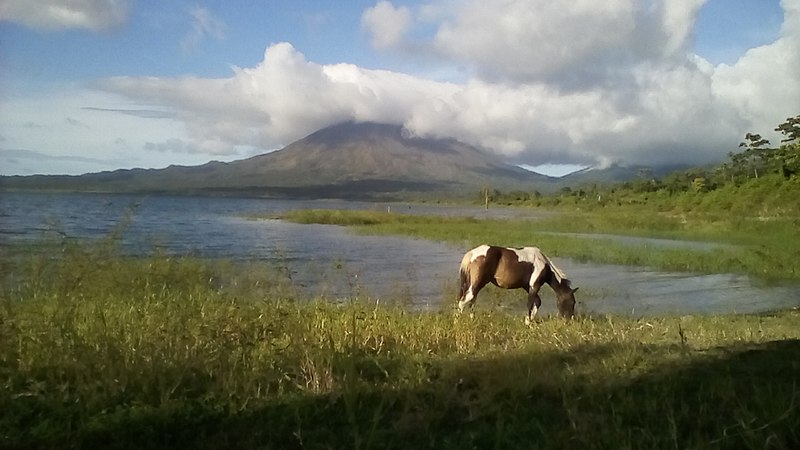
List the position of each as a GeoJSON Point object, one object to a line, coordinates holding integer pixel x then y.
{"type": "Point", "coordinates": [346, 160]}
{"type": "Point", "coordinates": [339, 160]}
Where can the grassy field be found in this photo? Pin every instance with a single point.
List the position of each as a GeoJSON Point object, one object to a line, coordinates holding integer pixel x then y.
{"type": "Point", "coordinates": [767, 249]}
{"type": "Point", "coordinates": [97, 350]}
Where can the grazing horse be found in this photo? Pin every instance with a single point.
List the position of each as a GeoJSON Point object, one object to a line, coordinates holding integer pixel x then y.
{"type": "Point", "coordinates": [514, 268]}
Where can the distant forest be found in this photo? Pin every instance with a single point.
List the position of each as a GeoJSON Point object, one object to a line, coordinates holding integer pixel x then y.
{"type": "Point", "coordinates": [756, 179]}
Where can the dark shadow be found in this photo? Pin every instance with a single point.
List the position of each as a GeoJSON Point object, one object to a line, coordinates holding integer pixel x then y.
{"type": "Point", "coordinates": [736, 397]}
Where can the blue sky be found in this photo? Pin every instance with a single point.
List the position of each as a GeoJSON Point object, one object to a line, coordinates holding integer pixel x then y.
{"type": "Point", "coordinates": [103, 84]}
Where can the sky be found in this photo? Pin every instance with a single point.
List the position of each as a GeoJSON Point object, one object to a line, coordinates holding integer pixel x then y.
{"type": "Point", "coordinates": [93, 85]}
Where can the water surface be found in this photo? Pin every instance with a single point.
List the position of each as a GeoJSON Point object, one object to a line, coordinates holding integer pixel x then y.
{"type": "Point", "coordinates": [331, 260]}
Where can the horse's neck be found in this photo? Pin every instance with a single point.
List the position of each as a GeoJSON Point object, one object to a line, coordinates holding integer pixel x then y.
{"type": "Point", "coordinates": [558, 286]}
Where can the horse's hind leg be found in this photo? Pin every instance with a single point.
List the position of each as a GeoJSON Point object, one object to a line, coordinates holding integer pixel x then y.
{"type": "Point", "coordinates": [469, 297]}
{"type": "Point", "coordinates": [467, 300]}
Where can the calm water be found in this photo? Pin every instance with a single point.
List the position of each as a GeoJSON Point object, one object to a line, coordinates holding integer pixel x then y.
{"type": "Point", "coordinates": [331, 260]}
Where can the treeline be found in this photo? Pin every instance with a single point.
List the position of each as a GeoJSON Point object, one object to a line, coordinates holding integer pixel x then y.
{"type": "Point", "coordinates": [756, 170]}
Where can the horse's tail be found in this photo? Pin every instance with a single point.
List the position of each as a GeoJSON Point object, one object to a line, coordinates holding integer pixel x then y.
{"type": "Point", "coordinates": [464, 275]}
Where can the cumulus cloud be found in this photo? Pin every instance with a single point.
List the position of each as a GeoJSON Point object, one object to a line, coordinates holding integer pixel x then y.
{"type": "Point", "coordinates": [763, 84]}
{"type": "Point", "coordinates": [387, 24]}
{"type": "Point", "coordinates": [54, 15]}
{"type": "Point", "coordinates": [583, 41]}
{"type": "Point", "coordinates": [281, 99]}
{"type": "Point", "coordinates": [585, 82]}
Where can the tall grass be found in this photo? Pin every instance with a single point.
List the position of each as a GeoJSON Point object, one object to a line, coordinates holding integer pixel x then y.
{"type": "Point", "coordinates": [98, 350]}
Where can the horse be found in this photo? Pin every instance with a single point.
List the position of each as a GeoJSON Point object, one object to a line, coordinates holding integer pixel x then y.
{"type": "Point", "coordinates": [514, 268]}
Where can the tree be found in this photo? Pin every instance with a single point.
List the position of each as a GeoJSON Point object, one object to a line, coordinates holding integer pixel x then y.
{"type": "Point", "coordinates": [675, 182]}
{"type": "Point", "coordinates": [755, 154]}
{"type": "Point", "coordinates": [789, 154]}
{"type": "Point", "coordinates": [790, 129]}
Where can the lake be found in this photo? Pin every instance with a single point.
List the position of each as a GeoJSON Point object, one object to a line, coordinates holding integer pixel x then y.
{"type": "Point", "coordinates": [332, 261]}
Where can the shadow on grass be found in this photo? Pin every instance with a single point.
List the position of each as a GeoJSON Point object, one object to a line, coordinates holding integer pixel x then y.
{"type": "Point", "coordinates": [740, 397]}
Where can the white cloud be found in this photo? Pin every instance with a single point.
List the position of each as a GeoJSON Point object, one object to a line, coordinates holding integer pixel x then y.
{"type": "Point", "coordinates": [207, 147]}
{"type": "Point", "coordinates": [569, 43]}
{"type": "Point", "coordinates": [70, 123]}
{"type": "Point", "coordinates": [204, 24]}
{"type": "Point", "coordinates": [587, 82]}
{"type": "Point", "coordinates": [670, 109]}
{"type": "Point", "coordinates": [53, 15]}
{"type": "Point", "coordinates": [524, 39]}
{"type": "Point", "coordinates": [282, 99]}
{"type": "Point", "coordinates": [387, 25]}
{"type": "Point", "coordinates": [678, 19]}
{"type": "Point", "coordinates": [762, 87]}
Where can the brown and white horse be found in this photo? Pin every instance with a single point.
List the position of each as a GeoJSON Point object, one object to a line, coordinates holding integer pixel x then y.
{"type": "Point", "coordinates": [514, 268]}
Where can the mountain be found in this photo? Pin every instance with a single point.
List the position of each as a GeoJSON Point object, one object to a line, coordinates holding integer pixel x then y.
{"type": "Point", "coordinates": [614, 173]}
{"type": "Point", "coordinates": [344, 160]}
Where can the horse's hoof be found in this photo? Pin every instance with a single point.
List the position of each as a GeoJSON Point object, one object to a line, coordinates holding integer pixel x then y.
{"type": "Point", "coordinates": [528, 321]}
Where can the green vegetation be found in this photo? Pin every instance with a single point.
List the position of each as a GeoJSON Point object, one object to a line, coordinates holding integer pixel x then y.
{"type": "Point", "coordinates": [98, 350]}
{"type": "Point", "coordinates": [749, 203]}
{"type": "Point", "coordinates": [756, 181]}
{"type": "Point", "coordinates": [766, 249]}
{"type": "Point", "coordinates": [363, 217]}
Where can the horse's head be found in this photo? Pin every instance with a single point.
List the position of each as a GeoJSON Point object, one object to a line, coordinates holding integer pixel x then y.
{"type": "Point", "coordinates": [566, 301]}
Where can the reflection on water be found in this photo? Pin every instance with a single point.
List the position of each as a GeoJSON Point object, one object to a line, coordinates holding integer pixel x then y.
{"type": "Point", "coordinates": [640, 292]}
{"type": "Point", "coordinates": [330, 260]}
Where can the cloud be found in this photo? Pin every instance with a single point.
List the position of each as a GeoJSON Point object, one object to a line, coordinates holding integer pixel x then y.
{"type": "Point", "coordinates": [281, 99]}
{"type": "Point", "coordinates": [574, 43]}
{"type": "Point", "coordinates": [20, 161]}
{"type": "Point", "coordinates": [204, 24]}
{"type": "Point", "coordinates": [387, 24]}
{"type": "Point", "coordinates": [143, 113]}
{"type": "Point", "coordinates": [54, 122]}
{"type": "Point", "coordinates": [588, 82]}
{"type": "Point", "coordinates": [38, 156]}
{"type": "Point", "coordinates": [763, 85]}
{"type": "Point", "coordinates": [76, 123]}
{"type": "Point", "coordinates": [56, 15]}
{"type": "Point", "coordinates": [175, 145]}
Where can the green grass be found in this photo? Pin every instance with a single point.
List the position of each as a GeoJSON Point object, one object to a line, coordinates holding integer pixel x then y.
{"type": "Point", "coordinates": [764, 248]}
{"type": "Point", "coordinates": [98, 350]}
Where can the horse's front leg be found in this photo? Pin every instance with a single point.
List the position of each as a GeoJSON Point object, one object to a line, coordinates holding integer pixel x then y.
{"type": "Point", "coordinates": [534, 302]}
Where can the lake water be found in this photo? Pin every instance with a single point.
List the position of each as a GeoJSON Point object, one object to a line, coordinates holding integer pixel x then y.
{"type": "Point", "coordinates": [331, 260]}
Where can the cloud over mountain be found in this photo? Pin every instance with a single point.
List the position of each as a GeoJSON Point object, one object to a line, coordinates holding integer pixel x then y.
{"type": "Point", "coordinates": [582, 82]}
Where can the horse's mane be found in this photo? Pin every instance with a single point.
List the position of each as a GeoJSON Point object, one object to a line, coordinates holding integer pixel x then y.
{"type": "Point", "coordinates": [561, 277]}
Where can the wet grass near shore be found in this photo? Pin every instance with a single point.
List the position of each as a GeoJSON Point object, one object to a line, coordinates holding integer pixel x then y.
{"type": "Point", "coordinates": [100, 350]}
{"type": "Point", "coordinates": [766, 249]}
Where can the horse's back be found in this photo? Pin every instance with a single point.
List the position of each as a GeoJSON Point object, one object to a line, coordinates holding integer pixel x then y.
{"type": "Point", "coordinates": [535, 256]}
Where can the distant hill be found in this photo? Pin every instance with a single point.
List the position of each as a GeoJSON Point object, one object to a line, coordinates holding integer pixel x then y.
{"type": "Point", "coordinates": [614, 173]}
{"type": "Point", "coordinates": [345, 160]}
